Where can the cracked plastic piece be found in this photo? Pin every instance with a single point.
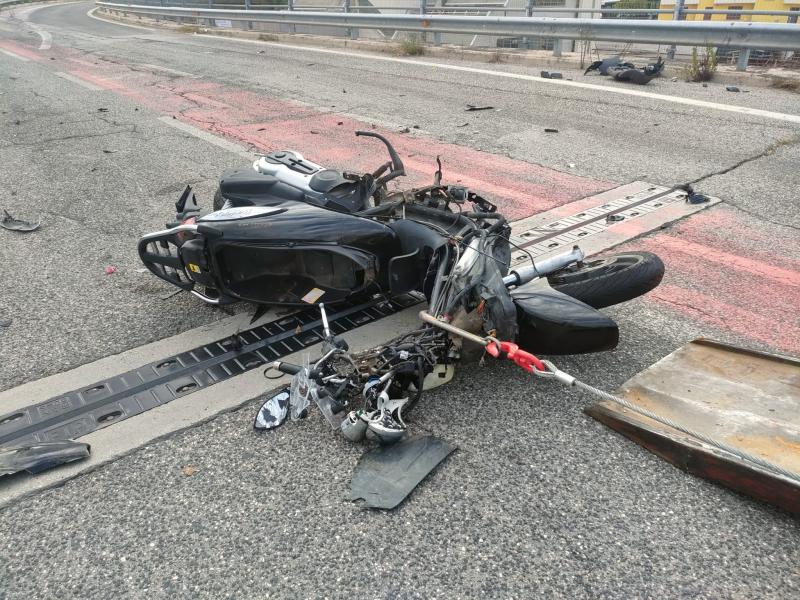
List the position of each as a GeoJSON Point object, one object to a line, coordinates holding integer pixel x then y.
{"type": "Point", "coordinates": [12, 224]}
{"type": "Point", "coordinates": [384, 477]}
{"type": "Point", "coordinates": [273, 412]}
{"type": "Point", "coordinates": [41, 457]}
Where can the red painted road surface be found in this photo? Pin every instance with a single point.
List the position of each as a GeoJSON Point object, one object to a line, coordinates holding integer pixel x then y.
{"type": "Point", "coordinates": [736, 282]}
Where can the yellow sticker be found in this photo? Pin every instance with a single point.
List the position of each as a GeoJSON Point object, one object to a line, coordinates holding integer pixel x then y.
{"type": "Point", "coordinates": [194, 268]}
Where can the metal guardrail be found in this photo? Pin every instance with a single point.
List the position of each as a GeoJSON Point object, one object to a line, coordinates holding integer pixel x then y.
{"type": "Point", "coordinates": [735, 34]}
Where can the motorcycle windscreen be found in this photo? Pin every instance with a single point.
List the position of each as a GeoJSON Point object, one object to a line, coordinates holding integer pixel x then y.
{"type": "Point", "coordinates": [551, 322]}
{"type": "Point", "coordinates": [281, 275]}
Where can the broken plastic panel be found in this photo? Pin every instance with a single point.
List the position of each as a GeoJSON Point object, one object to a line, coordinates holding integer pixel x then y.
{"type": "Point", "coordinates": [384, 477]}
{"type": "Point", "coordinates": [273, 412]}
{"type": "Point", "coordinates": [12, 224]}
{"type": "Point", "coordinates": [40, 457]}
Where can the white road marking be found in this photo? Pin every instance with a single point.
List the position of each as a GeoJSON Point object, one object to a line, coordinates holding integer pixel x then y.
{"type": "Point", "coordinates": [12, 55]}
{"type": "Point", "coordinates": [78, 80]}
{"type": "Point", "coordinates": [168, 70]}
{"type": "Point", "coordinates": [207, 137]}
{"type": "Point", "coordinates": [47, 39]}
{"type": "Point", "coordinates": [756, 112]}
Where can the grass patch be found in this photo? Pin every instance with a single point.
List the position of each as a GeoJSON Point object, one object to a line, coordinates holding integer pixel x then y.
{"type": "Point", "coordinates": [411, 46]}
{"type": "Point", "coordinates": [702, 67]}
{"type": "Point", "coordinates": [496, 57]}
{"type": "Point", "coordinates": [267, 37]}
{"type": "Point", "coordinates": [188, 29]}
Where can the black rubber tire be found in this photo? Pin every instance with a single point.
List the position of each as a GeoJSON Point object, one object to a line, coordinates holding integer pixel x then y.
{"type": "Point", "coordinates": [218, 200]}
{"type": "Point", "coordinates": [610, 279]}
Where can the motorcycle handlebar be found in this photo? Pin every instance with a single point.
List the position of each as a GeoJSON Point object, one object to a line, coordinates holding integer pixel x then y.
{"type": "Point", "coordinates": [397, 165]}
{"type": "Point", "coordinates": [287, 368]}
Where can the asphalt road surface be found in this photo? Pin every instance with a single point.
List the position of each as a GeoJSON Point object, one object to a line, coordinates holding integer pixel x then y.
{"type": "Point", "coordinates": [539, 500]}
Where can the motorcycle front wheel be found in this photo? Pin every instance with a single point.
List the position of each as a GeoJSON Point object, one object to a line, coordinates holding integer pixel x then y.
{"type": "Point", "coordinates": [610, 279]}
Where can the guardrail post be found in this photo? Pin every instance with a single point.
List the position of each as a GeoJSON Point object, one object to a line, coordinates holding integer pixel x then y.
{"type": "Point", "coordinates": [677, 15]}
{"type": "Point", "coordinates": [423, 8]}
{"type": "Point", "coordinates": [351, 32]}
{"type": "Point", "coordinates": [743, 59]}
{"type": "Point", "coordinates": [290, 6]}
{"type": "Point", "coordinates": [557, 47]}
{"type": "Point", "coordinates": [526, 40]}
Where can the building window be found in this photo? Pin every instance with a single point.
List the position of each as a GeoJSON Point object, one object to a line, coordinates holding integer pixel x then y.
{"type": "Point", "coordinates": [707, 15]}
{"type": "Point", "coordinates": [793, 18]}
{"type": "Point", "coordinates": [733, 17]}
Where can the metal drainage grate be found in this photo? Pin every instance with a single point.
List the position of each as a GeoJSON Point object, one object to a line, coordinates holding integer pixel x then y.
{"type": "Point", "coordinates": [117, 398]}
{"type": "Point", "coordinates": [576, 228]}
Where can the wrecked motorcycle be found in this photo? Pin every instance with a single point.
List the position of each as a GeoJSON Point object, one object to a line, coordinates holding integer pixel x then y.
{"type": "Point", "coordinates": [290, 232]}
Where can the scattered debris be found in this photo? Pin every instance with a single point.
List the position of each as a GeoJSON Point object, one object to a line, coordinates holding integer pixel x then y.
{"type": "Point", "coordinates": [273, 412]}
{"type": "Point", "coordinates": [571, 165]}
{"type": "Point", "coordinates": [404, 130]}
{"type": "Point", "coordinates": [732, 88]}
{"type": "Point", "coordinates": [614, 218]}
{"type": "Point", "coordinates": [5, 322]}
{"type": "Point", "coordinates": [314, 131]}
{"type": "Point", "coordinates": [550, 130]}
{"type": "Point", "coordinates": [40, 457]}
{"type": "Point", "coordinates": [189, 470]}
{"type": "Point", "coordinates": [705, 85]}
{"type": "Point", "coordinates": [693, 197]}
{"type": "Point", "coordinates": [415, 127]}
{"type": "Point", "coordinates": [12, 224]}
{"type": "Point", "coordinates": [261, 129]}
{"type": "Point", "coordinates": [110, 270]}
{"type": "Point", "coordinates": [605, 64]}
{"type": "Point", "coordinates": [385, 476]}
{"type": "Point", "coordinates": [109, 151]}
{"type": "Point", "coordinates": [102, 110]}
{"type": "Point", "coordinates": [637, 76]}
{"type": "Point", "coordinates": [551, 75]}
{"type": "Point", "coordinates": [472, 108]}
{"type": "Point", "coordinates": [340, 123]}
{"type": "Point", "coordinates": [674, 80]}
{"type": "Point", "coordinates": [462, 125]}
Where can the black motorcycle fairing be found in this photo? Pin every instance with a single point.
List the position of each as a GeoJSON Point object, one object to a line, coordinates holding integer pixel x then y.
{"type": "Point", "coordinates": [327, 188]}
{"type": "Point", "coordinates": [245, 187]}
{"type": "Point", "coordinates": [551, 322]}
{"type": "Point", "coordinates": [293, 275]}
{"type": "Point", "coordinates": [280, 257]}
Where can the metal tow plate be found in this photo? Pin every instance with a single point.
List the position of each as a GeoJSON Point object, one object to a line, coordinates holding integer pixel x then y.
{"type": "Point", "coordinates": [746, 399]}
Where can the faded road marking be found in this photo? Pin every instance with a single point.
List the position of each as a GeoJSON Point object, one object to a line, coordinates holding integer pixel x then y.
{"type": "Point", "coordinates": [78, 80]}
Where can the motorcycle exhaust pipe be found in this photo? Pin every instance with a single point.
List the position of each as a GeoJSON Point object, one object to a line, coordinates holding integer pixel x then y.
{"type": "Point", "coordinates": [544, 267]}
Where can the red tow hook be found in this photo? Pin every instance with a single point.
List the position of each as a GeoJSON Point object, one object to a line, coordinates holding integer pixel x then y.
{"type": "Point", "coordinates": [520, 357]}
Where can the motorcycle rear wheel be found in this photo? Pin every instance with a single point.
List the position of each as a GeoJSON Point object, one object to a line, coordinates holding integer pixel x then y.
{"type": "Point", "coordinates": [610, 279]}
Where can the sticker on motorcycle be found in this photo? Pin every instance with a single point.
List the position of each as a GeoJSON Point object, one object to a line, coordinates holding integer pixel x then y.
{"type": "Point", "coordinates": [312, 296]}
{"type": "Point", "coordinates": [194, 268]}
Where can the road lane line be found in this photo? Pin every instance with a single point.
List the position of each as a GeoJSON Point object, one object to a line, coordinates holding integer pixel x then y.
{"type": "Point", "coordinates": [168, 70]}
{"type": "Point", "coordinates": [755, 112]}
{"type": "Point", "coordinates": [47, 39]}
{"type": "Point", "coordinates": [12, 55]}
{"type": "Point", "coordinates": [78, 80]}
{"type": "Point", "coordinates": [207, 137]}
